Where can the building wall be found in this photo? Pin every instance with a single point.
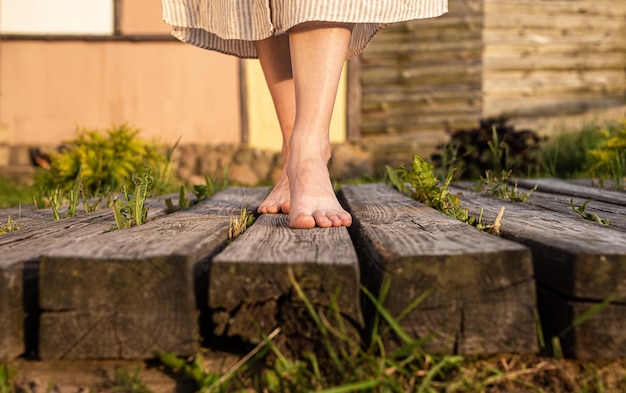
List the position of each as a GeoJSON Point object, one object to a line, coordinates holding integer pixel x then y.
{"type": "Point", "coordinates": [547, 65]}
{"type": "Point", "coordinates": [50, 85]}
{"type": "Point", "coordinates": [419, 79]}
{"type": "Point", "coordinates": [553, 63]}
{"type": "Point", "coordinates": [168, 90]}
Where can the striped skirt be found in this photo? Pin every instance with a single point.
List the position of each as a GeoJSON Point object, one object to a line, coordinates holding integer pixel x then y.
{"type": "Point", "coordinates": [231, 26]}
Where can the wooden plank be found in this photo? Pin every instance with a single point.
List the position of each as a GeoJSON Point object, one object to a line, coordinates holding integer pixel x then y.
{"type": "Point", "coordinates": [102, 375]}
{"type": "Point", "coordinates": [130, 292]}
{"type": "Point", "coordinates": [562, 203]}
{"type": "Point", "coordinates": [563, 187]}
{"type": "Point", "coordinates": [483, 298]}
{"type": "Point", "coordinates": [250, 291]}
{"type": "Point", "coordinates": [589, 340]}
{"type": "Point", "coordinates": [21, 251]}
{"type": "Point", "coordinates": [576, 259]}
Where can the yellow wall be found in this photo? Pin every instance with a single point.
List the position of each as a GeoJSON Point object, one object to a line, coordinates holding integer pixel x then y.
{"type": "Point", "coordinates": [263, 128]}
{"type": "Point", "coordinates": [166, 89]}
{"type": "Point", "coordinates": [49, 88]}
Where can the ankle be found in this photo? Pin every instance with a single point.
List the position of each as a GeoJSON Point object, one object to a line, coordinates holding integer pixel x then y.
{"type": "Point", "coordinates": [310, 148]}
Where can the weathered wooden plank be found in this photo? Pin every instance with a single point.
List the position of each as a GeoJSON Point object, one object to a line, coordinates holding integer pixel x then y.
{"type": "Point", "coordinates": [600, 336]}
{"type": "Point", "coordinates": [416, 74]}
{"type": "Point", "coordinates": [562, 203]}
{"type": "Point", "coordinates": [19, 258]}
{"type": "Point", "coordinates": [589, 9]}
{"type": "Point", "coordinates": [577, 259]}
{"type": "Point", "coordinates": [127, 293]}
{"type": "Point", "coordinates": [509, 59]}
{"type": "Point", "coordinates": [415, 60]}
{"type": "Point", "coordinates": [518, 104]}
{"type": "Point", "coordinates": [483, 298]}
{"type": "Point", "coordinates": [552, 80]}
{"type": "Point", "coordinates": [563, 187]}
{"type": "Point", "coordinates": [574, 257]}
{"type": "Point", "coordinates": [250, 291]}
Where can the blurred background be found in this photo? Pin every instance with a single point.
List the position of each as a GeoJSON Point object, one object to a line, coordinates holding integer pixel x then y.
{"type": "Point", "coordinates": [68, 65]}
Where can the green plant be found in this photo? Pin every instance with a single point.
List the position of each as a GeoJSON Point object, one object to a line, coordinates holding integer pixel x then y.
{"type": "Point", "coordinates": [591, 311]}
{"type": "Point", "coordinates": [341, 363]}
{"type": "Point", "coordinates": [6, 378]}
{"type": "Point", "coordinates": [14, 194]}
{"type": "Point", "coordinates": [496, 182]}
{"type": "Point", "coordinates": [127, 383]}
{"type": "Point", "coordinates": [421, 184]}
{"type": "Point", "coordinates": [566, 154]}
{"type": "Point", "coordinates": [471, 151]}
{"type": "Point", "coordinates": [212, 184]}
{"type": "Point", "coordinates": [608, 158]}
{"type": "Point", "coordinates": [183, 201]}
{"type": "Point", "coordinates": [10, 226]}
{"type": "Point", "coordinates": [208, 381]}
{"type": "Point", "coordinates": [102, 162]}
{"type": "Point", "coordinates": [132, 211]}
{"type": "Point", "coordinates": [587, 216]}
{"type": "Point", "coordinates": [238, 225]}
{"type": "Point", "coordinates": [500, 186]}
{"type": "Point", "coordinates": [55, 204]}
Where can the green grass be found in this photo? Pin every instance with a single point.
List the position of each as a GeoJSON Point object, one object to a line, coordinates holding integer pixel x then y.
{"type": "Point", "coordinates": [344, 363]}
{"type": "Point", "coordinates": [14, 194]}
{"type": "Point", "coordinates": [566, 154]}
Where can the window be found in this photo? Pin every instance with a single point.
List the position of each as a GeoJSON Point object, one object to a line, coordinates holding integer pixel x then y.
{"type": "Point", "coordinates": [57, 17]}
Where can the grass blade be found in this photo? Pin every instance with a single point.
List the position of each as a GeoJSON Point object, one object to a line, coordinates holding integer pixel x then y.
{"type": "Point", "coordinates": [393, 323]}
{"type": "Point", "coordinates": [353, 387]}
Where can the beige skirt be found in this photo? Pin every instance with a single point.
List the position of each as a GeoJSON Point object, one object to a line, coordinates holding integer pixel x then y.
{"type": "Point", "coordinates": [231, 26]}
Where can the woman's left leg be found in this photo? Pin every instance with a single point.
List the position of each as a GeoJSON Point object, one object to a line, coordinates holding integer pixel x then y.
{"type": "Point", "coordinates": [318, 51]}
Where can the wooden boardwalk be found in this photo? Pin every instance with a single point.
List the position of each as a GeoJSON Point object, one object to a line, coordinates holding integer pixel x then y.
{"type": "Point", "coordinates": [73, 289]}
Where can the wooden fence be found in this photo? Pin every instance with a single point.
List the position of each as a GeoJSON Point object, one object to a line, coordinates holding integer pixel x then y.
{"type": "Point", "coordinates": [545, 64]}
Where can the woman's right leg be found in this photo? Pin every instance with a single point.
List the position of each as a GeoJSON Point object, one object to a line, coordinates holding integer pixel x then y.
{"type": "Point", "coordinates": [275, 58]}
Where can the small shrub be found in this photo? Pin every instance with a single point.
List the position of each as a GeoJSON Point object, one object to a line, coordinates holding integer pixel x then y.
{"type": "Point", "coordinates": [6, 378]}
{"type": "Point", "coordinates": [10, 226]}
{"type": "Point", "coordinates": [566, 155]}
{"type": "Point", "coordinates": [101, 162]}
{"type": "Point", "coordinates": [608, 158]}
{"type": "Point", "coordinates": [470, 151]}
{"type": "Point", "coordinates": [14, 194]}
{"type": "Point", "coordinates": [132, 210]}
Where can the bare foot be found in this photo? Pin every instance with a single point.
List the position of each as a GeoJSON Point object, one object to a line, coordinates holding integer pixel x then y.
{"type": "Point", "coordinates": [278, 200]}
{"type": "Point", "coordinates": [313, 201]}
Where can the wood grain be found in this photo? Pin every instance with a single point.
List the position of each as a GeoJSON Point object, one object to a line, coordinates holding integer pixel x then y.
{"type": "Point", "coordinates": [563, 187]}
{"type": "Point", "coordinates": [601, 336]}
{"type": "Point", "coordinates": [250, 291]}
{"type": "Point", "coordinates": [420, 77]}
{"type": "Point", "coordinates": [21, 251]}
{"type": "Point", "coordinates": [615, 214]}
{"type": "Point", "coordinates": [580, 262]}
{"type": "Point", "coordinates": [576, 258]}
{"type": "Point", "coordinates": [483, 298]}
{"type": "Point", "coordinates": [127, 293]}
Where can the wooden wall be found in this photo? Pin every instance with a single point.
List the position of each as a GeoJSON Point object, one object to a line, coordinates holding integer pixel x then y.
{"type": "Point", "coordinates": [420, 78]}
{"type": "Point", "coordinates": [554, 62]}
{"type": "Point", "coordinates": [544, 63]}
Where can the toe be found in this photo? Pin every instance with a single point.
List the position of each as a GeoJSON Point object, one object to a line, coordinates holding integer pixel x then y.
{"type": "Point", "coordinates": [322, 220]}
{"type": "Point", "coordinates": [268, 208]}
{"type": "Point", "coordinates": [285, 207]}
{"type": "Point", "coordinates": [301, 221]}
{"type": "Point", "coordinates": [334, 218]}
{"type": "Point", "coordinates": [346, 219]}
